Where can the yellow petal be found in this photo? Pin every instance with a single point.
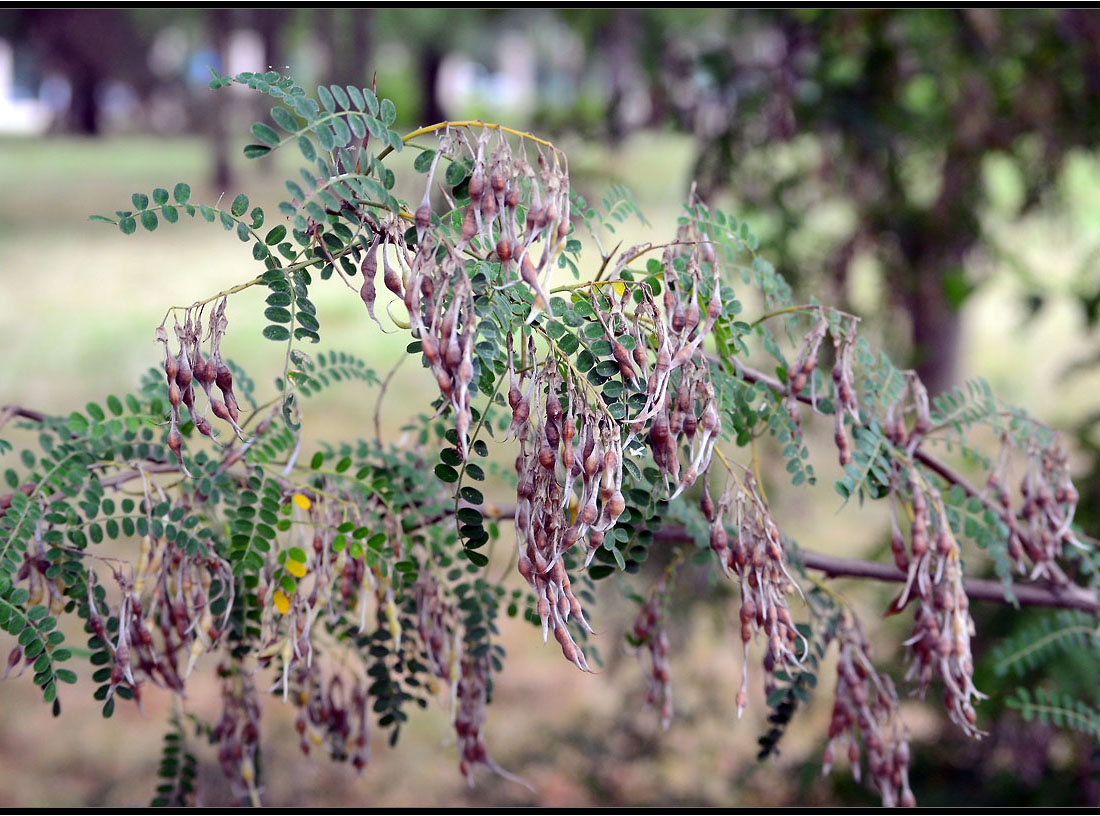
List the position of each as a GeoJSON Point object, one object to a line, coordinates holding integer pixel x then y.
{"type": "Point", "coordinates": [302, 501]}
{"type": "Point", "coordinates": [282, 602]}
{"type": "Point", "coordinates": [295, 568]}
{"type": "Point", "coordinates": [619, 287]}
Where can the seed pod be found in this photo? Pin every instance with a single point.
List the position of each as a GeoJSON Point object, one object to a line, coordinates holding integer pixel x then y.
{"type": "Point", "coordinates": [422, 218]}
{"type": "Point", "coordinates": [706, 504]}
{"type": "Point", "coordinates": [223, 377]}
{"type": "Point", "coordinates": [219, 409]}
{"type": "Point", "coordinates": [14, 657]}
{"type": "Point", "coordinates": [453, 352]}
{"type": "Point", "coordinates": [504, 250]}
{"type": "Point", "coordinates": [231, 406]}
{"type": "Point", "coordinates": [171, 368]}
{"type": "Point", "coordinates": [488, 205]}
{"type": "Point", "coordinates": [183, 373]}
{"type": "Point", "coordinates": [477, 185]}
{"type": "Point", "coordinates": [204, 371]}
{"type": "Point", "coordinates": [391, 278]}
{"type": "Point", "coordinates": [690, 425]}
{"type": "Point", "coordinates": [679, 319]}
{"type": "Point", "coordinates": [469, 225]}
{"type": "Point", "coordinates": [521, 412]}
{"type": "Point", "coordinates": [691, 319]}
{"type": "Point", "coordinates": [843, 447]}
{"type": "Point", "coordinates": [622, 357]}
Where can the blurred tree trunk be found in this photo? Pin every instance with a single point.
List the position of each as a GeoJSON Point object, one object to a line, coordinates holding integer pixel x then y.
{"type": "Point", "coordinates": [218, 21]}
{"type": "Point", "coordinates": [326, 36]}
{"type": "Point", "coordinates": [353, 57]}
{"type": "Point", "coordinates": [84, 107]}
{"type": "Point", "coordinates": [88, 47]}
{"type": "Point", "coordinates": [623, 31]}
{"type": "Point", "coordinates": [270, 24]}
{"type": "Point", "coordinates": [429, 61]}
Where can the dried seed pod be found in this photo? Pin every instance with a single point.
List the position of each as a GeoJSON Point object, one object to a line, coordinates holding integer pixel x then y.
{"type": "Point", "coordinates": [422, 218]}
{"type": "Point", "coordinates": [622, 357]}
{"type": "Point", "coordinates": [183, 372]}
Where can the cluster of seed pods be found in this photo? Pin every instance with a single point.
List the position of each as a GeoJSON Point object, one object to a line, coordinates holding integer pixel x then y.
{"type": "Point", "coordinates": [440, 637]}
{"type": "Point", "coordinates": [649, 632]}
{"type": "Point", "coordinates": [689, 420]}
{"type": "Point", "coordinates": [502, 184]}
{"type": "Point", "coordinates": [801, 373]}
{"type": "Point", "coordinates": [844, 390]}
{"type": "Point", "coordinates": [164, 618]}
{"type": "Point", "coordinates": [867, 703]}
{"type": "Point", "coordinates": [680, 408]}
{"type": "Point", "coordinates": [472, 693]}
{"type": "Point", "coordinates": [35, 570]}
{"type": "Point", "coordinates": [332, 716]}
{"type": "Point", "coordinates": [237, 732]}
{"type": "Point", "coordinates": [914, 400]}
{"type": "Point", "coordinates": [570, 486]}
{"type": "Point", "coordinates": [1040, 527]}
{"type": "Point", "coordinates": [514, 214]}
{"type": "Point", "coordinates": [755, 558]}
{"type": "Point", "coordinates": [188, 366]}
{"type": "Point", "coordinates": [940, 643]}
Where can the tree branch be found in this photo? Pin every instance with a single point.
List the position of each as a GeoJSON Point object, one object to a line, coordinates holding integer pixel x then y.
{"type": "Point", "coordinates": [9, 412]}
{"type": "Point", "coordinates": [1062, 596]}
{"type": "Point", "coordinates": [1068, 596]}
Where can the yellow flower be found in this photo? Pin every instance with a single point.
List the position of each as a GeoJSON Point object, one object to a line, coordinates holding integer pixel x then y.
{"type": "Point", "coordinates": [302, 501]}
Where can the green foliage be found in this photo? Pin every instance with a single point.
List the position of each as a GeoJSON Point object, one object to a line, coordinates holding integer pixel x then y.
{"type": "Point", "coordinates": [177, 770]}
{"type": "Point", "coordinates": [1046, 637]}
{"type": "Point", "coordinates": [1060, 710]}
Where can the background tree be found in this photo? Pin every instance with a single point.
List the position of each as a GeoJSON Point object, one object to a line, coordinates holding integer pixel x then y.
{"type": "Point", "coordinates": [895, 114]}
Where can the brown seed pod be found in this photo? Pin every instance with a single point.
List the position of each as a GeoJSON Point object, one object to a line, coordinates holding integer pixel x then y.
{"type": "Point", "coordinates": [231, 406]}
{"type": "Point", "coordinates": [488, 204]}
{"type": "Point", "coordinates": [504, 250]}
{"type": "Point", "coordinates": [477, 185]}
{"type": "Point", "coordinates": [223, 377]}
{"type": "Point", "coordinates": [469, 225]}
{"type": "Point", "coordinates": [204, 370]}
{"type": "Point", "coordinates": [622, 357]}
{"type": "Point", "coordinates": [183, 373]}
{"type": "Point", "coordinates": [423, 217]}
{"type": "Point", "coordinates": [392, 279]}
{"type": "Point", "coordinates": [175, 441]}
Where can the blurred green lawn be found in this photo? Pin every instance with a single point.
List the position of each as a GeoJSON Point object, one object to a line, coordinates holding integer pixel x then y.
{"type": "Point", "coordinates": [81, 301]}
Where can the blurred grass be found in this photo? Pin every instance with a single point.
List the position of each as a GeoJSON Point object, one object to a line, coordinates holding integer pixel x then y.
{"type": "Point", "coordinates": [80, 305]}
